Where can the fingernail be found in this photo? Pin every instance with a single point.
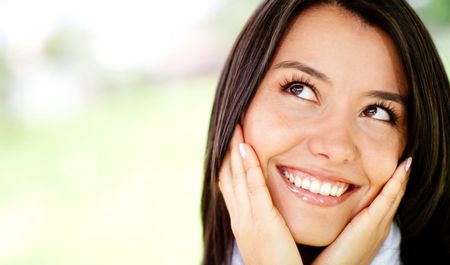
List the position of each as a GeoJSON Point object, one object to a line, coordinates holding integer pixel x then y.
{"type": "Point", "coordinates": [242, 150]}
{"type": "Point", "coordinates": [408, 164]}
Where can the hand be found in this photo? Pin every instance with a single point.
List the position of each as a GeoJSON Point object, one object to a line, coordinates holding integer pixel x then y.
{"type": "Point", "coordinates": [260, 231]}
{"type": "Point", "coordinates": [363, 236]}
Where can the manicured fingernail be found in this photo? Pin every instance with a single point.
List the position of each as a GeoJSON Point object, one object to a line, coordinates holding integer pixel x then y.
{"type": "Point", "coordinates": [242, 150]}
{"type": "Point", "coordinates": [408, 164]}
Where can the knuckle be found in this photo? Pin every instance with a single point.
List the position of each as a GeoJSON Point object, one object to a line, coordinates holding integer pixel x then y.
{"type": "Point", "coordinates": [237, 177]}
{"type": "Point", "coordinates": [253, 168]}
{"type": "Point", "coordinates": [390, 198]}
{"type": "Point", "coordinates": [255, 188]}
{"type": "Point", "coordinates": [238, 174]}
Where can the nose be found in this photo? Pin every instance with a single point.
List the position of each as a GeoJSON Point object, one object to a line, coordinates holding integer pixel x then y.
{"type": "Point", "coordinates": [333, 140]}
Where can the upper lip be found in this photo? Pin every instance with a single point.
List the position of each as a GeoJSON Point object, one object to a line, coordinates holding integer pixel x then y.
{"type": "Point", "coordinates": [322, 174]}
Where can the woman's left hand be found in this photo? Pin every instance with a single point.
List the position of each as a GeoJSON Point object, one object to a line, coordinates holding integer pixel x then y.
{"type": "Point", "coordinates": [363, 236]}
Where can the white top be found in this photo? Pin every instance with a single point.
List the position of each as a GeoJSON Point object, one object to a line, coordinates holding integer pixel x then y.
{"type": "Point", "coordinates": [389, 252]}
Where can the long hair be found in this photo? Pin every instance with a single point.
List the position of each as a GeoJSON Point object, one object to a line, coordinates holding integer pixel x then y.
{"type": "Point", "coordinates": [424, 213]}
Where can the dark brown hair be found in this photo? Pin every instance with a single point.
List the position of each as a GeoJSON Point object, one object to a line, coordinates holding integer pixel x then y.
{"type": "Point", "coordinates": [424, 214]}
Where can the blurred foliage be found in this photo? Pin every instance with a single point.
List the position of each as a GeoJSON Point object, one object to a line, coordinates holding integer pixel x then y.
{"type": "Point", "coordinates": [225, 24]}
{"type": "Point", "coordinates": [435, 13]}
{"type": "Point", "coordinates": [8, 128]}
{"type": "Point", "coordinates": [5, 76]}
{"type": "Point", "coordinates": [124, 82]}
{"type": "Point", "coordinates": [5, 73]}
{"type": "Point", "coordinates": [67, 46]}
{"type": "Point", "coordinates": [119, 184]}
{"type": "Point", "coordinates": [436, 16]}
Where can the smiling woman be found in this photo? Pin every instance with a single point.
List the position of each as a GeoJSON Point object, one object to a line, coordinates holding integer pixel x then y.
{"type": "Point", "coordinates": [327, 122]}
{"type": "Point", "coordinates": [320, 110]}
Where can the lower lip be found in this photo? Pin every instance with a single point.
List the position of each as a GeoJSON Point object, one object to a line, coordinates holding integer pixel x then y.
{"type": "Point", "coordinates": [313, 198]}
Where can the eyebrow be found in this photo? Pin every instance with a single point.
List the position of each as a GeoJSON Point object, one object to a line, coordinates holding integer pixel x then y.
{"type": "Point", "coordinates": [387, 96]}
{"type": "Point", "coordinates": [304, 68]}
{"type": "Point", "coordinates": [384, 95]}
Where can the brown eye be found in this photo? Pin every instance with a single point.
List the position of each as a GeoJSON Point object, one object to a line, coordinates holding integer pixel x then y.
{"type": "Point", "coordinates": [377, 113]}
{"type": "Point", "coordinates": [302, 91]}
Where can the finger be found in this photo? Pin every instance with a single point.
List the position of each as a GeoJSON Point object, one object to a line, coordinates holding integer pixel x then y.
{"type": "Point", "coordinates": [259, 195]}
{"type": "Point", "coordinates": [226, 186]}
{"type": "Point", "coordinates": [401, 191]}
{"type": "Point", "coordinates": [386, 203]}
{"type": "Point", "coordinates": [239, 175]}
{"type": "Point", "coordinates": [371, 225]}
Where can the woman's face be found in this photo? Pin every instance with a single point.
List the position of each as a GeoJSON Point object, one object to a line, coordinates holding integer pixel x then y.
{"type": "Point", "coordinates": [328, 121]}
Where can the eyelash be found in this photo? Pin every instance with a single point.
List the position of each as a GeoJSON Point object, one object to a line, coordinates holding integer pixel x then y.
{"type": "Point", "coordinates": [300, 80]}
{"type": "Point", "coordinates": [388, 108]}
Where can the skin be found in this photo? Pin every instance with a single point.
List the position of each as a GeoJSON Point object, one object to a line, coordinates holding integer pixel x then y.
{"type": "Point", "coordinates": [329, 130]}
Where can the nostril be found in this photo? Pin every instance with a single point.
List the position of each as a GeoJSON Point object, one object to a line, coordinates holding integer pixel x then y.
{"type": "Point", "coordinates": [333, 144]}
{"type": "Point", "coordinates": [324, 155]}
{"type": "Point", "coordinates": [334, 154]}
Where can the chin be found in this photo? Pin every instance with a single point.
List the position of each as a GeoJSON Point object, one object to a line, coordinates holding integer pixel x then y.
{"type": "Point", "coordinates": [314, 235]}
{"type": "Point", "coordinates": [314, 239]}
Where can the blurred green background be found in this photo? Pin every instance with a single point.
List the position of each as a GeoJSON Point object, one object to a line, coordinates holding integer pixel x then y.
{"type": "Point", "coordinates": [103, 119]}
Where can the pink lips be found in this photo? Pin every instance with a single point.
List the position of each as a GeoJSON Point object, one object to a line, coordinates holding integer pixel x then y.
{"type": "Point", "coordinates": [315, 198]}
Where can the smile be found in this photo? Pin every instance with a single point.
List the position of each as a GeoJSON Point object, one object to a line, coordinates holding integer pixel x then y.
{"type": "Point", "coordinates": [314, 189]}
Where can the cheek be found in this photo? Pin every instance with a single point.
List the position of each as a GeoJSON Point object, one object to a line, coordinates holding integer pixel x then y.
{"type": "Point", "coordinates": [267, 131]}
{"type": "Point", "coordinates": [381, 169]}
{"type": "Point", "coordinates": [385, 156]}
{"type": "Point", "coordinates": [379, 165]}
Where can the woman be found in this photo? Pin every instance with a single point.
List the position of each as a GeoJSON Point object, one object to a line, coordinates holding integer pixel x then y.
{"type": "Point", "coordinates": [329, 139]}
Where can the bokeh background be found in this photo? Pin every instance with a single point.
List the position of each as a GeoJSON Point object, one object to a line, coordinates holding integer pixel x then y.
{"type": "Point", "coordinates": [104, 108]}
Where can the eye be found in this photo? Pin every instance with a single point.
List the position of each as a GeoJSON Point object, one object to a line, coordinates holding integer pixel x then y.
{"type": "Point", "coordinates": [377, 113]}
{"type": "Point", "coordinates": [303, 91]}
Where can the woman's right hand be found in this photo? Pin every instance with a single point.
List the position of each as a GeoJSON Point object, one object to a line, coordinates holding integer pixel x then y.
{"type": "Point", "coordinates": [260, 231]}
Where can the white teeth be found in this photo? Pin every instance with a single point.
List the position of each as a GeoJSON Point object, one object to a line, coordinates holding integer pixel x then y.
{"type": "Point", "coordinates": [298, 182]}
{"type": "Point", "coordinates": [341, 190]}
{"type": "Point", "coordinates": [306, 184]}
{"type": "Point", "coordinates": [316, 186]}
{"type": "Point", "coordinates": [334, 190]}
{"type": "Point", "coordinates": [291, 178]}
{"type": "Point", "coordinates": [325, 189]}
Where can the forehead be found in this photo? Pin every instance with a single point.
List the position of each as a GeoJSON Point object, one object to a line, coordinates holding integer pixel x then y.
{"type": "Point", "coordinates": [345, 48]}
